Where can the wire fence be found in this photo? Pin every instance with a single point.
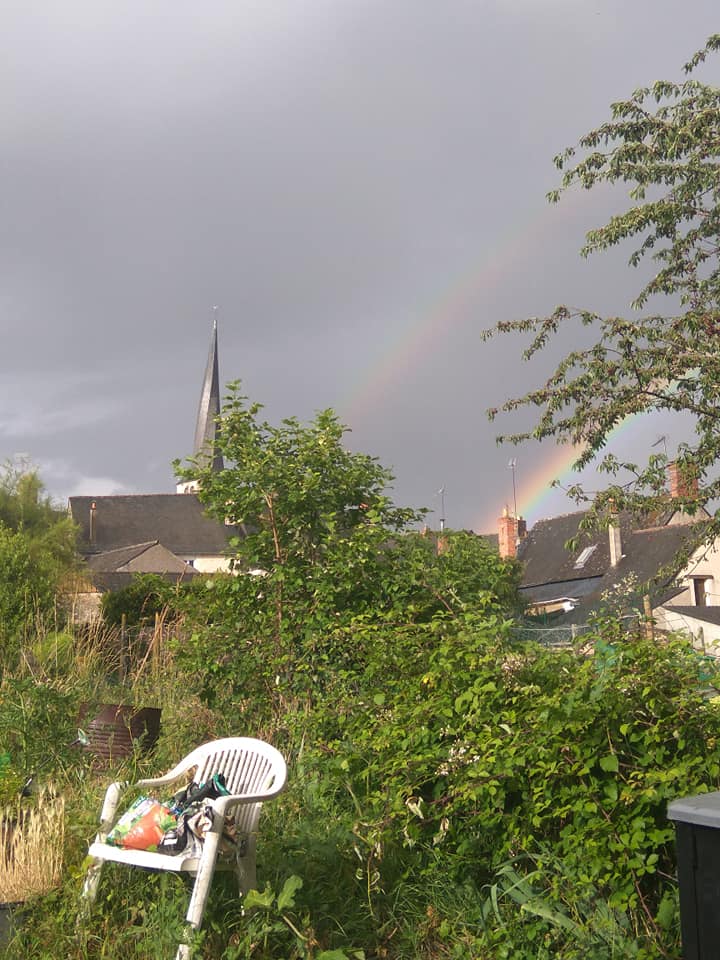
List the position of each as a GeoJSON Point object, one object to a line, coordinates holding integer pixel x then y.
{"type": "Point", "coordinates": [566, 636]}
{"type": "Point", "coordinates": [561, 636]}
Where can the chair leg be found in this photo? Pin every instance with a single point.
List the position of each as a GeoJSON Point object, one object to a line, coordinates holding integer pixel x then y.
{"type": "Point", "coordinates": [246, 872]}
{"type": "Point", "coordinates": [203, 881]}
{"type": "Point", "coordinates": [90, 887]}
{"type": "Point", "coordinates": [92, 878]}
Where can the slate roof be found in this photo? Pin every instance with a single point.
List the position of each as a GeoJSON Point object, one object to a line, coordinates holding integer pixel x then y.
{"type": "Point", "coordinates": [177, 520]}
{"type": "Point", "coordinates": [565, 589]}
{"type": "Point", "coordinates": [103, 581]}
{"type": "Point", "coordinates": [550, 571]}
{"type": "Point", "coordinates": [113, 559]}
{"type": "Point", "coordinates": [706, 614]}
{"type": "Point", "coordinates": [150, 557]}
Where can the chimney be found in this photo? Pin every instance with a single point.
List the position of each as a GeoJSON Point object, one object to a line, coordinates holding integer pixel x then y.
{"type": "Point", "coordinates": [615, 541]}
{"type": "Point", "coordinates": [683, 480]}
{"type": "Point", "coordinates": [510, 531]}
{"type": "Point", "coordinates": [93, 510]}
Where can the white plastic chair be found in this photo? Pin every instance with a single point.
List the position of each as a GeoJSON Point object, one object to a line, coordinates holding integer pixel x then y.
{"type": "Point", "coordinates": [254, 772]}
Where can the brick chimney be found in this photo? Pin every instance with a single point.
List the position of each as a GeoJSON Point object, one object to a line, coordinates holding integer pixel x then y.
{"type": "Point", "coordinates": [510, 531]}
{"type": "Point", "coordinates": [682, 480]}
{"type": "Point", "coordinates": [93, 521]}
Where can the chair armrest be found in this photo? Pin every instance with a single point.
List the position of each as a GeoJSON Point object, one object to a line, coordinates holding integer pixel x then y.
{"type": "Point", "coordinates": [160, 781]}
{"type": "Point", "coordinates": [222, 805]}
{"type": "Point", "coordinates": [110, 803]}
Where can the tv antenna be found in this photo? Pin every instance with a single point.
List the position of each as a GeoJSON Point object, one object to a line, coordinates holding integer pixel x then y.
{"type": "Point", "coordinates": [512, 465]}
{"type": "Point", "coordinates": [661, 440]}
{"type": "Point", "coordinates": [441, 494]}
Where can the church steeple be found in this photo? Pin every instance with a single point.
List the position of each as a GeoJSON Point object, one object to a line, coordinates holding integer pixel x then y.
{"type": "Point", "coordinates": [205, 451]}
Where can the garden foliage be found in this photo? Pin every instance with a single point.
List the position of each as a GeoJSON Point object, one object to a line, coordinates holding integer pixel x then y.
{"type": "Point", "coordinates": [37, 552]}
{"type": "Point", "coordinates": [662, 144]}
{"type": "Point", "coordinates": [439, 755]}
{"type": "Point", "coordinates": [323, 546]}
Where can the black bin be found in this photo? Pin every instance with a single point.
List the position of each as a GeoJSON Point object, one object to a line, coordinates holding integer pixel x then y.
{"type": "Point", "coordinates": [697, 832]}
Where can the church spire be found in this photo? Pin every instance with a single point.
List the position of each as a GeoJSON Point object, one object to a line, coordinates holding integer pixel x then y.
{"type": "Point", "coordinates": [206, 451]}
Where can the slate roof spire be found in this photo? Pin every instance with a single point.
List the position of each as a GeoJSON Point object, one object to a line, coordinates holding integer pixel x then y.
{"type": "Point", "coordinates": [206, 451]}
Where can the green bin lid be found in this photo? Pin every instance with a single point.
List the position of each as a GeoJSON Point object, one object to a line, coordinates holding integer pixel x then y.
{"type": "Point", "coordinates": [702, 810]}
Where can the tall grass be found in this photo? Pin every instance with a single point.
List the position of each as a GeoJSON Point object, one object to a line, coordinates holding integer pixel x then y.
{"type": "Point", "coordinates": [31, 847]}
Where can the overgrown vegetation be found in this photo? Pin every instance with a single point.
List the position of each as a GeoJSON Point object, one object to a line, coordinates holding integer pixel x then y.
{"type": "Point", "coordinates": [453, 793]}
{"type": "Point", "coordinates": [37, 550]}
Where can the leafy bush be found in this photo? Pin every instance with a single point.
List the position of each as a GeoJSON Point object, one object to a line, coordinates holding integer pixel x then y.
{"type": "Point", "coordinates": [479, 752]}
{"type": "Point", "coordinates": [146, 595]}
{"type": "Point", "coordinates": [38, 721]}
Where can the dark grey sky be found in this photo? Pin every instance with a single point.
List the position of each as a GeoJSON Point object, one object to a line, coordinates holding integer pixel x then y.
{"type": "Point", "coordinates": [359, 185]}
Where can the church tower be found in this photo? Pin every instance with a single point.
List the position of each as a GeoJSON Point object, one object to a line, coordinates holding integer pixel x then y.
{"type": "Point", "coordinates": [205, 451]}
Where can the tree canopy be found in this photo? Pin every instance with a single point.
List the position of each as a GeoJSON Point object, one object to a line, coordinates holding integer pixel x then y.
{"type": "Point", "coordinates": [323, 547]}
{"type": "Point", "coordinates": [37, 549]}
{"type": "Point", "coordinates": [664, 144]}
{"type": "Point", "coordinates": [296, 487]}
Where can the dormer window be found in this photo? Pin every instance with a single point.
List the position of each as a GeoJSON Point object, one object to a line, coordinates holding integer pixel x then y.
{"type": "Point", "coordinates": [585, 556]}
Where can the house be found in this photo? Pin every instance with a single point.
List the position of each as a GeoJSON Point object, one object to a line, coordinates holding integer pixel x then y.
{"type": "Point", "coordinates": [176, 524]}
{"type": "Point", "coordinates": [164, 533]}
{"type": "Point", "coordinates": [696, 607]}
{"type": "Point", "coordinates": [617, 567]}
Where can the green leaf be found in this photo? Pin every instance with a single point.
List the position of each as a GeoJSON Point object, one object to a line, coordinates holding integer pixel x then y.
{"type": "Point", "coordinates": [286, 897]}
{"type": "Point", "coordinates": [264, 900]}
{"type": "Point", "coordinates": [609, 763]}
{"type": "Point", "coordinates": [540, 909]}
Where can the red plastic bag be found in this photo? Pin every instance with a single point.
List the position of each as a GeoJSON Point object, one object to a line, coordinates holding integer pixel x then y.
{"type": "Point", "coordinates": [143, 826]}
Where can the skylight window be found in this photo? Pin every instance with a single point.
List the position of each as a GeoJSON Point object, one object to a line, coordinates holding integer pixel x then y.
{"type": "Point", "coordinates": [585, 556]}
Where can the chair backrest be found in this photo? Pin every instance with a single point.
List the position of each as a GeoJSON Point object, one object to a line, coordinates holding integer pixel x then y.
{"type": "Point", "coordinates": [250, 767]}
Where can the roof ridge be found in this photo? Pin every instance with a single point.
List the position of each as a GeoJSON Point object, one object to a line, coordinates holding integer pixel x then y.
{"type": "Point", "coordinates": [130, 546]}
{"type": "Point", "coordinates": [134, 496]}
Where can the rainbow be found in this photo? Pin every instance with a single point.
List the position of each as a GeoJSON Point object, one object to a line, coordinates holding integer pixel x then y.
{"type": "Point", "coordinates": [537, 494]}
{"type": "Point", "coordinates": [414, 341]}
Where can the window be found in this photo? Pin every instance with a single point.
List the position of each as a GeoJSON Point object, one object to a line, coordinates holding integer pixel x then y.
{"type": "Point", "coordinates": [585, 556]}
{"type": "Point", "coordinates": [701, 591]}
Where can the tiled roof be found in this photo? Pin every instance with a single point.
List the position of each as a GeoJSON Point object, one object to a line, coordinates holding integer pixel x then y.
{"type": "Point", "coordinates": [113, 559]}
{"type": "Point", "coordinates": [177, 520]}
{"type": "Point", "coordinates": [706, 614]}
{"type": "Point", "coordinates": [104, 582]}
{"type": "Point", "coordinates": [545, 592]}
{"type": "Point", "coordinates": [150, 557]}
{"type": "Point", "coordinates": [549, 569]}
{"type": "Point", "coordinates": [545, 558]}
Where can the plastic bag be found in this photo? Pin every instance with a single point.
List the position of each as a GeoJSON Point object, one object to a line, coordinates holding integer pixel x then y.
{"type": "Point", "coordinates": [195, 818]}
{"type": "Point", "coordinates": [142, 826]}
